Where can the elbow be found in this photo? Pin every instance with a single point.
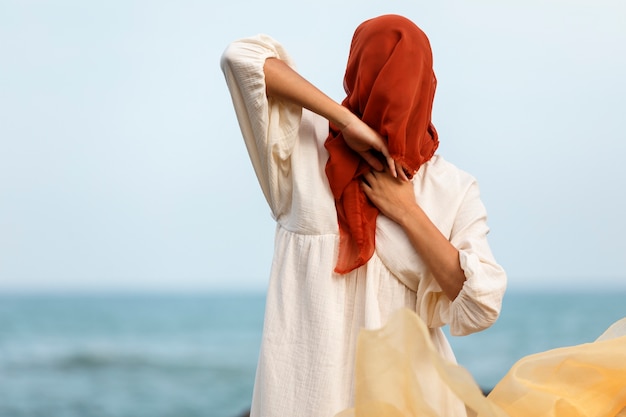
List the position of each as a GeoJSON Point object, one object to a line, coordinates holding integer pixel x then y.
{"type": "Point", "coordinates": [228, 58]}
{"type": "Point", "coordinates": [468, 323]}
{"type": "Point", "coordinates": [473, 320]}
{"type": "Point", "coordinates": [241, 54]}
{"type": "Point", "coordinates": [472, 312]}
{"type": "Point", "coordinates": [478, 304]}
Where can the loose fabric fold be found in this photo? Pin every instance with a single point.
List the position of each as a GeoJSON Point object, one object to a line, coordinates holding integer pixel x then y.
{"type": "Point", "coordinates": [397, 365]}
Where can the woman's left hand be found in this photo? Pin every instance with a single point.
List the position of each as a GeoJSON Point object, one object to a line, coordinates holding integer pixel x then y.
{"type": "Point", "coordinates": [392, 196]}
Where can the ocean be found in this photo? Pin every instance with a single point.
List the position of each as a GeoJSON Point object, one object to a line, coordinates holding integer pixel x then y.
{"type": "Point", "coordinates": [194, 355]}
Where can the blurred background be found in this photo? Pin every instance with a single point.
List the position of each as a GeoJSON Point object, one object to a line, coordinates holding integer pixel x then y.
{"type": "Point", "coordinates": [135, 243]}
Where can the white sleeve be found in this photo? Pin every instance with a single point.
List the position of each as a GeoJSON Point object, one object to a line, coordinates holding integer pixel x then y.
{"type": "Point", "coordinates": [479, 303]}
{"type": "Point", "coordinates": [269, 127]}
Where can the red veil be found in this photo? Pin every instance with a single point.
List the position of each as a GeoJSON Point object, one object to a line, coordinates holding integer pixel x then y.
{"type": "Point", "coordinates": [390, 84]}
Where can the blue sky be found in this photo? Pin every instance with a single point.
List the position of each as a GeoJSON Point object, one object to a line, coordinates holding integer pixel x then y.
{"type": "Point", "coordinates": [122, 166]}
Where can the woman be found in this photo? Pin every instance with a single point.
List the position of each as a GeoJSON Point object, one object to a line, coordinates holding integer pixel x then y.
{"type": "Point", "coordinates": [356, 239]}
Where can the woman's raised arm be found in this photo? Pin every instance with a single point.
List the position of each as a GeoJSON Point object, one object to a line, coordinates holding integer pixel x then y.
{"type": "Point", "coordinates": [283, 83]}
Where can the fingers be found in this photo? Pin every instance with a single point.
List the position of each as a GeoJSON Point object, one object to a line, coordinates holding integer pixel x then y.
{"type": "Point", "coordinates": [364, 140]}
{"type": "Point", "coordinates": [372, 160]}
{"type": "Point", "coordinates": [395, 168]}
{"type": "Point", "coordinates": [366, 182]}
{"type": "Point", "coordinates": [392, 167]}
{"type": "Point", "coordinates": [390, 161]}
{"type": "Point", "coordinates": [375, 179]}
{"type": "Point", "coordinates": [401, 172]}
{"type": "Point", "coordinates": [369, 177]}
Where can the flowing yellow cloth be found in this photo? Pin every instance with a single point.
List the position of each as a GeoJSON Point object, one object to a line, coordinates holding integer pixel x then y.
{"type": "Point", "coordinates": [398, 369]}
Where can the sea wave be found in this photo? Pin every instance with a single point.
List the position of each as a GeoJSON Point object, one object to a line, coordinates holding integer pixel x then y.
{"type": "Point", "coordinates": [94, 359]}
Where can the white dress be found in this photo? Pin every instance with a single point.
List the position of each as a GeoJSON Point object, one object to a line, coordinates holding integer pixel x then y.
{"type": "Point", "coordinates": [313, 315]}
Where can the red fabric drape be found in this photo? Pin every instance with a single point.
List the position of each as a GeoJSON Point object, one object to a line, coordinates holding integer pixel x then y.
{"type": "Point", "coordinates": [390, 84]}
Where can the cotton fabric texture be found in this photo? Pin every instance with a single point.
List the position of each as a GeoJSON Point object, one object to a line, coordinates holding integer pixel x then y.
{"type": "Point", "coordinates": [390, 85]}
{"type": "Point", "coordinates": [587, 380]}
{"type": "Point", "coordinates": [313, 315]}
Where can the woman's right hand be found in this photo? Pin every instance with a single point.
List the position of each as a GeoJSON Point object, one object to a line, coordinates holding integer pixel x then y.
{"type": "Point", "coordinates": [364, 140]}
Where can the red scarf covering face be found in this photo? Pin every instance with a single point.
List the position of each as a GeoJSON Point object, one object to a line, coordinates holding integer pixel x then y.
{"type": "Point", "coordinates": [390, 85]}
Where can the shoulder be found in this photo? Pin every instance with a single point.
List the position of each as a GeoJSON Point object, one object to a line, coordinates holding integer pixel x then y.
{"type": "Point", "coordinates": [440, 170]}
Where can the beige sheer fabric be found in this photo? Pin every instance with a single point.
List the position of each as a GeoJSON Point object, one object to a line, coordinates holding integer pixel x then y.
{"type": "Point", "coordinates": [398, 363]}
